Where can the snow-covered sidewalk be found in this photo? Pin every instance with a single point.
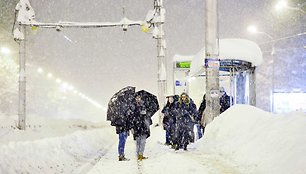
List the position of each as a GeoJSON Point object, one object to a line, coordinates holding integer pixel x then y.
{"type": "Point", "coordinates": [242, 140]}
{"type": "Point", "coordinates": [163, 159]}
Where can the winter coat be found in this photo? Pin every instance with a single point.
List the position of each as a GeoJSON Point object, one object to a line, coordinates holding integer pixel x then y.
{"type": "Point", "coordinates": [123, 121]}
{"type": "Point", "coordinates": [169, 115]}
{"type": "Point", "coordinates": [202, 108]}
{"type": "Point", "coordinates": [225, 102]}
{"type": "Point", "coordinates": [141, 121]}
{"type": "Point", "coordinates": [186, 113]}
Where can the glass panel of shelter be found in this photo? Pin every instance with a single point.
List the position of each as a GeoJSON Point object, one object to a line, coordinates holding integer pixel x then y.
{"type": "Point", "coordinates": [236, 76]}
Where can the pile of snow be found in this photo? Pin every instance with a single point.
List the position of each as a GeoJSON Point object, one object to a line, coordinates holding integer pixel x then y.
{"type": "Point", "coordinates": [41, 127]}
{"type": "Point", "coordinates": [68, 154]}
{"type": "Point", "coordinates": [271, 143]}
{"type": "Point", "coordinates": [51, 145]}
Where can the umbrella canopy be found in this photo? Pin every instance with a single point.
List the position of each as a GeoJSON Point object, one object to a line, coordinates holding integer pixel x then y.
{"type": "Point", "coordinates": [150, 101]}
{"type": "Point", "coordinates": [119, 106]}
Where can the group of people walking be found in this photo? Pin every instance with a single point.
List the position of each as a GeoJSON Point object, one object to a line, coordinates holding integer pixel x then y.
{"type": "Point", "coordinates": [181, 115]}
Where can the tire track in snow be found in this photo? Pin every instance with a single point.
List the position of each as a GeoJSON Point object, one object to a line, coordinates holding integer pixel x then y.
{"type": "Point", "coordinates": [89, 164]}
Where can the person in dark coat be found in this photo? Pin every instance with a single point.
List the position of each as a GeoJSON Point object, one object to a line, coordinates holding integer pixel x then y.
{"type": "Point", "coordinates": [224, 104]}
{"type": "Point", "coordinates": [123, 125]}
{"type": "Point", "coordinates": [200, 127]}
{"type": "Point", "coordinates": [225, 100]}
{"type": "Point", "coordinates": [186, 112]}
{"type": "Point", "coordinates": [169, 119]}
{"type": "Point", "coordinates": [141, 126]}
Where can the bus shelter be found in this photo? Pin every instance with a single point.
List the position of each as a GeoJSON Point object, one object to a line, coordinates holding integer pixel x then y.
{"type": "Point", "coordinates": [238, 61]}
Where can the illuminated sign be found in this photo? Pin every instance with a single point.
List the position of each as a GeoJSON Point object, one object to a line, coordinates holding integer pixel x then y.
{"type": "Point", "coordinates": [185, 64]}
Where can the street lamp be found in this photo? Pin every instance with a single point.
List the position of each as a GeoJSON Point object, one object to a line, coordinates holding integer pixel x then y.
{"type": "Point", "coordinates": [282, 5]}
{"type": "Point", "coordinates": [253, 29]}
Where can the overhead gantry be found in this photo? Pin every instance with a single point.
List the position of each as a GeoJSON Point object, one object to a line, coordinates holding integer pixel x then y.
{"type": "Point", "coordinates": [25, 17]}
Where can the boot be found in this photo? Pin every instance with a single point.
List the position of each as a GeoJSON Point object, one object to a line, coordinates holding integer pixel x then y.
{"type": "Point", "coordinates": [167, 144]}
{"type": "Point", "coordinates": [122, 158]}
{"type": "Point", "coordinates": [173, 146]}
{"type": "Point", "coordinates": [141, 157]}
{"type": "Point", "coordinates": [185, 147]}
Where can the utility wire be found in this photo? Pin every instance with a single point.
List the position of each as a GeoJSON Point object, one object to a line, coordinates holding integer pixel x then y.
{"type": "Point", "coordinates": [283, 38]}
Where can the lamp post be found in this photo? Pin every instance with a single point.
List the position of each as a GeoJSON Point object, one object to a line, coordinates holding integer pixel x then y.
{"type": "Point", "coordinates": [211, 62]}
{"type": "Point", "coordinates": [159, 35]}
{"type": "Point", "coordinates": [253, 29]}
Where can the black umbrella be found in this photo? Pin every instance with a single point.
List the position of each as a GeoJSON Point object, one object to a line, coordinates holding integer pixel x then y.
{"type": "Point", "coordinates": [150, 101]}
{"type": "Point", "coordinates": [119, 106]}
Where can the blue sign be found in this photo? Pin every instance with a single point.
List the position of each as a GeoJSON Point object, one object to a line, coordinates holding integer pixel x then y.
{"type": "Point", "coordinates": [178, 83]}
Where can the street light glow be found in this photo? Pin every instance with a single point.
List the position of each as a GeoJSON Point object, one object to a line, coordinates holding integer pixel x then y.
{"type": "Point", "coordinates": [252, 29]}
{"type": "Point", "coordinates": [50, 75]}
{"type": "Point", "coordinates": [281, 5]}
{"type": "Point", "coordinates": [40, 70]}
{"type": "Point", "coordinates": [58, 80]}
{"type": "Point", "coordinates": [5, 50]}
{"type": "Point", "coordinates": [64, 86]}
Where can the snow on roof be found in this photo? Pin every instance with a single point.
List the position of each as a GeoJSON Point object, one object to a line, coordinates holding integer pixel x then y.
{"type": "Point", "coordinates": [239, 49]}
{"type": "Point", "coordinates": [180, 58]}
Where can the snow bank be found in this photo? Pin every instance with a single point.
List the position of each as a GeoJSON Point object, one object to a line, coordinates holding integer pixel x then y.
{"type": "Point", "coordinates": [270, 143]}
{"type": "Point", "coordinates": [40, 127]}
{"type": "Point", "coordinates": [182, 58]}
{"type": "Point", "coordinates": [52, 145]}
{"type": "Point", "coordinates": [65, 154]}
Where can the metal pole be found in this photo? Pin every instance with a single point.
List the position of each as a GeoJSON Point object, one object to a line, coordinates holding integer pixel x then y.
{"type": "Point", "coordinates": [212, 62]}
{"type": "Point", "coordinates": [252, 83]}
{"type": "Point", "coordinates": [231, 71]}
{"type": "Point", "coordinates": [273, 74]}
{"type": "Point", "coordinates": [22, 83]}
{"type": "Point", "coordinates": [161, 58]}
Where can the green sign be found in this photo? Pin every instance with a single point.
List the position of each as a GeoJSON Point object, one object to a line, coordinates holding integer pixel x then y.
{"type": "Point", "coordinates": [185, 64]}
